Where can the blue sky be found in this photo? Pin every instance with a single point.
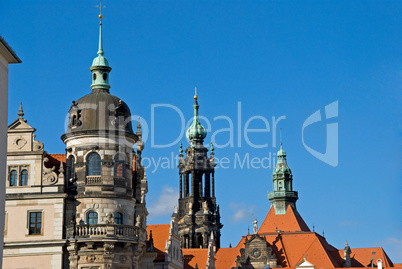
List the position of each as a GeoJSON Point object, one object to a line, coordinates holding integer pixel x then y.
{"type": "Point", "coordinates": [272, 59]}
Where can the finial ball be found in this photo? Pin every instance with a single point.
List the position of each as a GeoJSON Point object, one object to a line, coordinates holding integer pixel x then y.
{"type": "Point", "coordinates": [100, 16]}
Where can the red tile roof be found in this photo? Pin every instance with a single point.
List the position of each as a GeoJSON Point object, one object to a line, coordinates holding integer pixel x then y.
{"type": "Point", "coordinates": [54, 161]}
{"type": "Point", "coordinates": [195, 256]}
{"type": "Point", "coordinates": [361, 257]}
{"type": "Point", "coordinates": [288, 222]}
{"type": "Point", "coordinates": [290, 244]}
{"type": "Point", "coordinates": [57, 156]}
{"type": "Point", "coordinates": [160, 234]}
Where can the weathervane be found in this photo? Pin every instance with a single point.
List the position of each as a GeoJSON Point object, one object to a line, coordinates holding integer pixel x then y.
{"type": "Point", "coordinates": [195, 96]}
{"type": "Point", "coordinates": [100, 9]}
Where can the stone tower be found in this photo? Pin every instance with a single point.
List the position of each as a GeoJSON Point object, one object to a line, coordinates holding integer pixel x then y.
{"type": "Point", "coordinates": [198, 212]}
{"type": "Point", "coordinates": [106, 211]}
{"type": "Point", "coordinates": [282, 194]}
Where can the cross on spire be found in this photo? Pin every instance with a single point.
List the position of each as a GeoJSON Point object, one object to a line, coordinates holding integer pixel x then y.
{"type": "Point", "coordinates": [195, 96]}
{"type": "Point", "coordinates": [100, 9]}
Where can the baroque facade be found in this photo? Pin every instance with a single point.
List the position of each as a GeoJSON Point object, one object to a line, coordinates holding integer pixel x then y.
{"type": "Point", "coordinates": [87, 208]}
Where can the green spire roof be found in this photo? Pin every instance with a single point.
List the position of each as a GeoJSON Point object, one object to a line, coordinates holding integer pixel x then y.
{"type": "Point", "coordinates": [281, 166]}
{"type": "Point", "coordinates": [100, 66]}
{"type": "Point", "coordinates": [100, 60]}
{"type": "Point", "coordinates": [196, 132]}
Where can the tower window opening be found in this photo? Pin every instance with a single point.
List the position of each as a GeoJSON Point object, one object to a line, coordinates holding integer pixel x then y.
{"type": "Point", "coordinates": [70, 171]}
{"type": "Point", "coordinates": [94, 164]}
{"type": "Point", "coordinates": [118, 218]}
{"type": "Point", "coordinates": [92, 218]}
{"type": "Point", "coordinates": [119, 165]}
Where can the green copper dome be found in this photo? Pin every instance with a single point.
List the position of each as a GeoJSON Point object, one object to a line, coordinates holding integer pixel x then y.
{"type": "Point", "coordinates": [196, 131]}
{"type": "Point", "coordinates": [100, 61]}
{"type": "Point", "coordinates": [281, 166]}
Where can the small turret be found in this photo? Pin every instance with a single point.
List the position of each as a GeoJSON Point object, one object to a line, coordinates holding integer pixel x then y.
{"type": "Point", "coordinates": [282, 194]}
{"type": "Point", "coordinates": [100, 66]}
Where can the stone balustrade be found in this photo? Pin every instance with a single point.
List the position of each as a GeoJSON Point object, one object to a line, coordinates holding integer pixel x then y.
{"type": "Point", "coordinates": [93, 180]}
{"type": "Point", "coordinates": [103, 230]}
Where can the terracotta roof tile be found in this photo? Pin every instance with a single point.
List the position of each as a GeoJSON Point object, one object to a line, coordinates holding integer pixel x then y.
{"type": "Point", "coordinates": [195, 256]}
{"type": "Point", "coordinates": [226, 257]}
{"type": "Point", "coordinates": [160, 234]}
{"type": "Point", "coordinates": [361, 257]}
{"type": "Point", "coordinates": [287, 222]}
{"type": "Point", "coordinates": [57, 156]}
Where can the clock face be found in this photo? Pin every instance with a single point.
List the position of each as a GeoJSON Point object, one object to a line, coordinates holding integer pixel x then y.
{"type": "Point", "coordinates": [256, 253]}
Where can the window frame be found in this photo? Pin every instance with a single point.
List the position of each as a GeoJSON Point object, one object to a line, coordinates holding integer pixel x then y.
{"type": "Point", "coordinates": [121, 217]}
{"type": "Point", "coordinates": [22, 176]}
{"type": "Point", "coordinates": [91, 165]}
{"type": "Point", "coordinates": [29, 212]}
{"type": "Point", "coordinates": [119, 160]}
{"type": "Point", "coordinates": [92, 218]}
{"type": "Point", "coordinates": [70, 167]}
{"type": "Point", "coordinates": [13, 172]}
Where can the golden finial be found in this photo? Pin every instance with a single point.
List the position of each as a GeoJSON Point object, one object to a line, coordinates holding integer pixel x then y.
{"type": "Point", "coordinates": [281, 136]}
{"type": "Point", "coordinates": [100, 9]}
{"type": "Point", "coordinates": [195, 96]}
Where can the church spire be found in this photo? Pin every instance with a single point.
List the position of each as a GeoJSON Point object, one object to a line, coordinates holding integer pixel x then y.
{"type": "Point", "coordinates": [196, 132]}
{"type": "Point", "coordinates": [282, 194]}
{"type": "Point", "coordinates": [100, 66]}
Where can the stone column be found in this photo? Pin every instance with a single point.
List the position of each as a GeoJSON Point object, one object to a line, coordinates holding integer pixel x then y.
{"type": "Point", "coordinates": [181, 185]}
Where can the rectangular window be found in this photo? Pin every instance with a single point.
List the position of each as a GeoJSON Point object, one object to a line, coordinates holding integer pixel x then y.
{"type": "Point", "coordinates": [35, 223]}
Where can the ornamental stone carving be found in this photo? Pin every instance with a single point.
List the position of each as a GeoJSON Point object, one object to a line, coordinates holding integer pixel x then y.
{"type": "Point", "coordinates": [108, 164]}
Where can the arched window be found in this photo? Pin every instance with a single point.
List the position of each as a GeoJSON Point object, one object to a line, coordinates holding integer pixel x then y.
{"type": "Point", "coordinates": [118, 218]}
{"type": "Point", "coordinates": [92, 217]}
{"type": "Point", "coordinates": [70, 171]}
{"type": "Point", "coordinates": [24, 177]}
{"type": "Point", "coordinates": [94, 164]}
{"type": "Point", "coordinates": [119, 163]}
{"type": "Point", "coordinates": [13, 178]}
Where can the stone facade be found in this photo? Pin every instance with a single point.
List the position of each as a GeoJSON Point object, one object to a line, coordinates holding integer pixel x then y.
{"type": "Point", "coordinates": [35, 201]}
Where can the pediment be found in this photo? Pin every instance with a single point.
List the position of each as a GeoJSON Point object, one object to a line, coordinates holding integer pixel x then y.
{"type": "Point", "coordinates": [20, 125]}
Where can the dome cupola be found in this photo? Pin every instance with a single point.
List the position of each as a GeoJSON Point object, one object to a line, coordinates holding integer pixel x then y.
{"type": "Point", "coordinates": [196, 132]}
{"type": "Point", "coordinates": [99, 112]}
